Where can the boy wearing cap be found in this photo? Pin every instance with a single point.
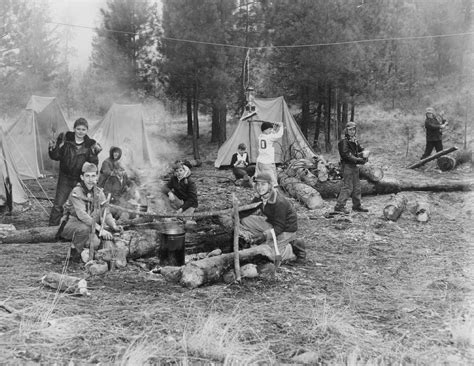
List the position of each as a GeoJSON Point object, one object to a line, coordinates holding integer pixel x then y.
{"type": "Point", "coordinates": [351, 155]}
{"type": "Point", "coordinates": [434, 132]}
{"type": "Point", "coordinates": [85, 208]}
{"type": "Point", "coordinates": [240, 164]}
{"type": "Point", "coordinates": [181, 190]}
{"type": "Point", "coordinates": [266, 150]}
{"type": "Point", "coordinates": [275, 212]}
{"type": "Point", "coordinates": [72, 150]}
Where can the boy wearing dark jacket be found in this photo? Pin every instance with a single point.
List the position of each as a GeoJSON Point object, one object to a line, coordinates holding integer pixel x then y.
{"type": "Point", "coordinates": [72, 150]}
{"type": "Point", "coordinates": [113, 178]}
{"type": "Point", "coordinates": [434, 132]}
{"type": "Point", "coordinates": [276, 213]}
{"type": "Point", "coordinates": [181, 190]}
{"type": "Point", "coordinates": [351, 155]}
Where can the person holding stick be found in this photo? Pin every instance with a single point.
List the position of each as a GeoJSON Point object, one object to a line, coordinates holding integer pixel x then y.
{"type": "Point", "coordinates": [434, 131]}
{"type": "Point", "coordinates": [72, 150]}
{"type": "Point", "coordinates": [86, 208]}
{"type": "Point", "coordinates": [276, 214]}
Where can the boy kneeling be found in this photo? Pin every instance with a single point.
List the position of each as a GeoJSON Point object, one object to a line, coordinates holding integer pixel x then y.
{"type": "Point", "coordinates": [276, 213]}
{"type": "Point", "coordinates": [84, 211]}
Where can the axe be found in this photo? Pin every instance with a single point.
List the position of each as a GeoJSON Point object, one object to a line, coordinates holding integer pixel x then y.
{"type": "Point", "coordinates": [277, 251]}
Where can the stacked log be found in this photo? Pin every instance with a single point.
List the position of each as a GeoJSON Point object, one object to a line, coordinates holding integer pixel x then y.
{"type": "Point", "coordinates": [450, 162]}
{"type": "Point", "coordinates": [395, 207]}
{"type": "Point", "coordinates": [432, 157]}
{"type": "Point", "coordinates": [301, 191]}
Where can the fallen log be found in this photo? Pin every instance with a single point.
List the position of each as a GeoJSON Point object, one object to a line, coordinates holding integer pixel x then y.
{"type": "Point", "coordinates": [331, 189]}
{"type": "Point", "coordinates": [395, 207]}
{"type": "Point", "coordinates": [446, 162]}
{"type": "Point", "coordinates": [65, 283]}
{"type": "Point", "coordinates": [301, 191]}
{"type": "Point", "coordinates": [432, 157]}
{"type": "Point", "coordinates": [210, 270]}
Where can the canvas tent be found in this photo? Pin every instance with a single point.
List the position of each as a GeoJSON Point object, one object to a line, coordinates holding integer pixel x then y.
{"type": "Point", "coordinates": [30, 133]}
{"type": "Point", "coordinates": [248, 129]}
{"type": "Point", "coordinates": [9, 169]}
{"type": "Point", "coordinates": [124, 126]}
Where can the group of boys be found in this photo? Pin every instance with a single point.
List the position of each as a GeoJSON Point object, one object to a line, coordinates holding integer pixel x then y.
{"type": "Point", "coordinates": [85, 205]}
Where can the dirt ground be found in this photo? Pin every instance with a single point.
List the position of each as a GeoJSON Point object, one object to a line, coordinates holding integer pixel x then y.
{"type": "Point", "coordinates": [373, 292]}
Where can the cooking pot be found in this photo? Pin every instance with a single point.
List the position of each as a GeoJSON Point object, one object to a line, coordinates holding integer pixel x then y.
{"type": "Point", "coordinates": [172, 245]}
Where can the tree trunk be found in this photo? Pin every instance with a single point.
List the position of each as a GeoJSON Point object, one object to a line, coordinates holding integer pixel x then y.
{"type": "Point", "coordinates": [337, 127]}
{"type": "Point", "coordinates": [211, 270]}
{"type": "Point", "coordinates": [301, 191]}
{"type": "Point", "coordinates": [446, 163]}
{"type": "Point", "coordinates": [345, 112]}
{"type": "Point", "coordinates": [189, 114]}
{"type": "Point", "coordinates": [215, 123]}
{"type": "Point", "coordinates": [432, 157]}
{"type": "Point", "coordinates": [317, 127]}
{"type": "Point", "coordinates": [328, 121]}
{"type": "Point", "coordinates": [196, 125]}
{"type": "Point", "coordinates": [305, 115]}
{"type": "Point", "coordinates": [352, 111]}
{"type": "Point", "coordinates": [395, 207]}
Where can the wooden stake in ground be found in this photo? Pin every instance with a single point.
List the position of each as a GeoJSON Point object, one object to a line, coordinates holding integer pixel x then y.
{"type": "Point", "coordinates": [446, 163]}
{"type": "Point", "coordinates": [235, 205]}
{"type": "Point", "coordinates": [395, 207]}
{"type": "Point", "coordinates": [432, 157]}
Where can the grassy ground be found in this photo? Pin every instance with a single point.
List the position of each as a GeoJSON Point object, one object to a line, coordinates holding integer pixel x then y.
{"type": "Point", "coordinates": [373, 292]}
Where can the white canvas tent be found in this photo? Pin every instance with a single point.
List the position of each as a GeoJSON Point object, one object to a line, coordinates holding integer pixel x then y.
{"type": "Point", "coordinates": [30, 133]}
{"type": "Point", "coordinates": [124, 126]}
{"type": "Point", "coordinates": [9, 170]}
{"type": "Point", "coordinates": [248, 129]}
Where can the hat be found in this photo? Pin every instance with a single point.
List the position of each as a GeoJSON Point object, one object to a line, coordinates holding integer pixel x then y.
{"type": "Point", "coordinates": [430, 110]}
{"type": "Point", "coordinates": [351, 125]}
{"type": "Point", "coordinates": [89, 168]}
{"type": "Point", "coordinates": [262, 177]}
{"type": "Point", "coordinates": [81, 122]}
{"type": "Point", "coordinates": [266, 126]}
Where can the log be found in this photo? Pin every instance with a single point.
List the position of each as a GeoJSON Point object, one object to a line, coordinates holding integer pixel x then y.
{"type": "Point", "coordinates": [235, 203]}
{"type": "Point", "coordinates": [432, 157]}
{"type": "Point", "coordinates": [446, 163]}
{"type": "Point", "coordinates": [395, 207]}
{"type": "Point", "coordinates": [422, 211]}
{"type": "Point", "coordinates": [331, 189]}
{"type": "Point", "coordinates": [211, 270]}
{"type": "Point", "coordinates": [371, 173]}
{"type": "Point", "coordinates": [65, 283]}
{"type": "Point", "coordinates": [302, 192]}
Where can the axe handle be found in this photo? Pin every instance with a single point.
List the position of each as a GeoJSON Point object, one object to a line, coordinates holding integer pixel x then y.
{"type": "Point", "coordinates": [275, 245]}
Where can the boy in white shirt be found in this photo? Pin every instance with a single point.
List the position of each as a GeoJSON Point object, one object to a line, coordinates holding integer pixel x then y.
{"type": "Point", "coordinates": [266, 150]}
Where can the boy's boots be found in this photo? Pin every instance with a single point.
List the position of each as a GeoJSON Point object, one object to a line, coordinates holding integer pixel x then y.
{"type": "Point", "coordinates": [299, 249]}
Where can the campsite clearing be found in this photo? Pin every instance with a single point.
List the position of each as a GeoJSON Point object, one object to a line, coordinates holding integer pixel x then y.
{"type": "Point", "coordinates": [373, 292]}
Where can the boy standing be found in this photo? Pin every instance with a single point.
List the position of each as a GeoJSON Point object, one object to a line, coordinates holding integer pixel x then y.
{"type": "Point", "coordinates": [434, 132]}
{"type": "Point", "coordinates": [266, 150]}
{"type": "Point", "coordinates": [351, 154]}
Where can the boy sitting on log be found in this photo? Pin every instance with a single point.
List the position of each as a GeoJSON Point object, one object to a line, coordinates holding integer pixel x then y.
{"type": "Point", "coordinates": [276, 213]}
{"type": "Point", "coordinates": [86, 214]}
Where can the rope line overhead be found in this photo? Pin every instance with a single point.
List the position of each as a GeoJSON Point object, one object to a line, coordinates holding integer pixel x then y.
{"type": "Point", "coordinates": [406, 38]}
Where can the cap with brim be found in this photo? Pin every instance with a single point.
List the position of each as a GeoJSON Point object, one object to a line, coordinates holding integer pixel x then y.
{"type": "Point", "coordinates": [430, 110]}
{"type": "Point", "coordinates": [263, 177]}
{"type": "Point", "coordinates": [89, 168]}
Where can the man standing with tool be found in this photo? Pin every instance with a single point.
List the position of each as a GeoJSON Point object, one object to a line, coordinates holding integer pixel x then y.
{"type": "Point", "coordinates": [273, 223]}
{"type": "Point", "coordinates": [85, 208]}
